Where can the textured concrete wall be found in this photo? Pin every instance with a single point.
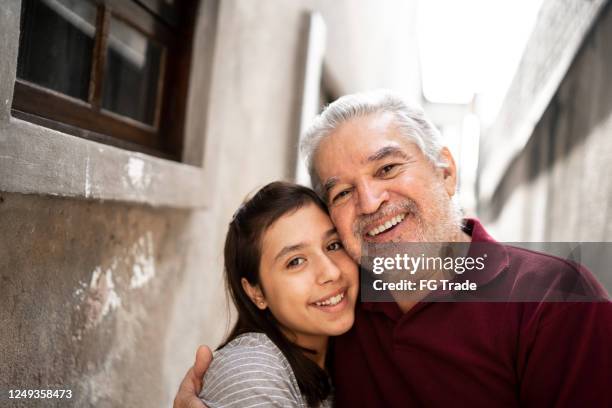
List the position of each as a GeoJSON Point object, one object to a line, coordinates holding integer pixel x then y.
{"type": "Point", "coordinates": [560, 31]}
{"type": "Point", "coordinates": [111, 299]}
{"type": "Point", "coordinates": [559, 188]}
{"type": "Point", "coordinates": [90, 293]}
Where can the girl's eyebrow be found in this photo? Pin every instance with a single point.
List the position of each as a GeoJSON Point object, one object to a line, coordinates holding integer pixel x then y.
{"type": "Point", "coordinates": [291, 248]}
{"type": "Point", "coordinates": [329, 232]}
{"type": "Point", "coordinates": [287, 249]}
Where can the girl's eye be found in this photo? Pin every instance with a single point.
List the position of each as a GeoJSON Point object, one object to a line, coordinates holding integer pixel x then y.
{"type": "Point", "coordinates": [296, 262]}
{"type": "Point", "coordinates": [334, 246]}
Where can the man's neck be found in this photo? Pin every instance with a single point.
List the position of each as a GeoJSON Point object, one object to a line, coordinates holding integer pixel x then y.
{"type": "Point", "coordinates": [406, 305]}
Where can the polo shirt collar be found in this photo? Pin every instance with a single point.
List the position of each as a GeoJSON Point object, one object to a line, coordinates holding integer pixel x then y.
{"type": "Point", "coordinates": [497, 254]}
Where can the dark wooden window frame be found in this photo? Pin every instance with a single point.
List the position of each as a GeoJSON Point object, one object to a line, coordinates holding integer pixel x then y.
{"type": "Point", "coordinates": [88, 119]}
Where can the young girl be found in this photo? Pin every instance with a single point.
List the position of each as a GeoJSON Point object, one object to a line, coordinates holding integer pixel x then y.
{"type": "Point", "coordinates": [293, 286]}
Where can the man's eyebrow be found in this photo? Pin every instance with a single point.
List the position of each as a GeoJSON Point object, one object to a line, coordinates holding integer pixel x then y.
{"type": "Point", "coordinates": [330, 183]}
{"type": "Point", "coordinates": [288, 249]}
{"type": "Point", "coordinates": [387, 151]}
{"type": "Point", "coordinates": [384, 152]}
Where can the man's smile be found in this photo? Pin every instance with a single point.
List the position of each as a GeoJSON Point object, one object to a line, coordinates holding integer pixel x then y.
{"type": "Point", "coordinates": [383, 226]}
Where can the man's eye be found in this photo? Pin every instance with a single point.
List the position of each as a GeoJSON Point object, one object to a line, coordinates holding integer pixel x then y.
{"type": "Point", "coordinates": [387, 169]}
{"type": "Point", "coordinates": [334, 246]}
{"type": "Point", "coordinates": [340, 195]}
{"type": "Point", "coordinates": [296, 262]}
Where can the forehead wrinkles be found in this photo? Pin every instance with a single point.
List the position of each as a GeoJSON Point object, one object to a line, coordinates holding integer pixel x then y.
{"type": "Point", "coordinates": [356, 140]}
{"type": "Point", "coordinates": [342, 159]}
{"type": "Point", "coordinates": [337, 151]}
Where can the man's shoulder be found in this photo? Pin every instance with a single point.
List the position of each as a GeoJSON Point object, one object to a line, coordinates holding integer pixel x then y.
{"type": "Point", "coordinates": [547, 277]}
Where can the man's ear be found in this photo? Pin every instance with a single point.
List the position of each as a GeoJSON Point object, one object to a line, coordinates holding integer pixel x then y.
{"type": "Point", "coordinates": [254, 293]}
{"type": "Point", "coordinates": [449, 173]}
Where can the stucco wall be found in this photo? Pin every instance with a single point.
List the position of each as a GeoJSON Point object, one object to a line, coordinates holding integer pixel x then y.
{"type": "Point", "coordinates": [559, 188]}
{"type": "Point", "coordinates": [110, 299]}
{"type": "Point", "coordinates": [92, 296]}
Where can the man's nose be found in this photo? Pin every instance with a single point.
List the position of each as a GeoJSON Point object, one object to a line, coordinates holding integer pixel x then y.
{"type": "Point", "coordinates": [371, 196]}
{"type": "Point", "coordinates": [328, 271]}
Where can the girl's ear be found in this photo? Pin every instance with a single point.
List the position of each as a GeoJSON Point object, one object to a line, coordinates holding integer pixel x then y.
{"type": "Point", "coordinates": [255, 294]}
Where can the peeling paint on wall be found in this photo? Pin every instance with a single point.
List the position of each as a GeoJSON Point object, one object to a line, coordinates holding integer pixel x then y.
{"type": "Point", "coordinates": [143, 269]}
{"type": "Point", "coordinates": [101, 297]}
{"type": "Point", "coordinates": [137, 175]}
{"type": "Point", "coordinates": [103, 300]}
{"type": "Point", "coordinates": [87, 179]}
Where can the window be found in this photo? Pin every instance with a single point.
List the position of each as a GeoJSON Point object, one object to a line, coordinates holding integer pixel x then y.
{"type": "Point", "coordinates": [115, 71]}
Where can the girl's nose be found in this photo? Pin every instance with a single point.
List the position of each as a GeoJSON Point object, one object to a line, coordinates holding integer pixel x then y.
{"type": "Point", "coordinates": [328, 271]}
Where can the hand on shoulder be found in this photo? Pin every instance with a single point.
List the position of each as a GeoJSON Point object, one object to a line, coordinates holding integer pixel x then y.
{"type": "Point", "coordinates": [187, 394]}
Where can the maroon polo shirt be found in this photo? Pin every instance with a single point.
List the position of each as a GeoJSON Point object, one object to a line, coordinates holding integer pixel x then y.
{"type": "Point", "coordinates": [481, 354]}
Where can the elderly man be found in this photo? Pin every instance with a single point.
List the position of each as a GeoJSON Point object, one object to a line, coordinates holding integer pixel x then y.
{"type": "Point", "coordinates": [380, 166]}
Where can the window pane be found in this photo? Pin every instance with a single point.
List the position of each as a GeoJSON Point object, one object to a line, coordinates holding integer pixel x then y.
{"type": "Point", "coordinates": [56, 44]}
{"type": "Point", "coordinates": [131, 73]}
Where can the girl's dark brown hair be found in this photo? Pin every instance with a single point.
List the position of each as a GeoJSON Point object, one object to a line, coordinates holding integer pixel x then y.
{"type": "Point", "coordinates": [242, 258]}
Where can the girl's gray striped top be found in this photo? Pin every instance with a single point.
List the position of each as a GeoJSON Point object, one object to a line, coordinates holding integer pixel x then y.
{"type": "Point", "coordinates": [251, 371]}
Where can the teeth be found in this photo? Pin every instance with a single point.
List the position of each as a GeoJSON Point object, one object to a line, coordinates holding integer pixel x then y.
{"type": "Point", "coordinates": [334, 300]}
{"type": "Point", "coordinates": [383, 227]}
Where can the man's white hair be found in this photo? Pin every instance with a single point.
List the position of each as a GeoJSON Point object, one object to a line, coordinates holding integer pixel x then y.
{"type": "Point", "coordinates": [409, 119]}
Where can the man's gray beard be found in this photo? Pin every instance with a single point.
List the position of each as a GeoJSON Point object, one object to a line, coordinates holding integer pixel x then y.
{"type": "Point", "coordinates": [427, 240]}
{"type": "Point", "coordinates": [446, 228]}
